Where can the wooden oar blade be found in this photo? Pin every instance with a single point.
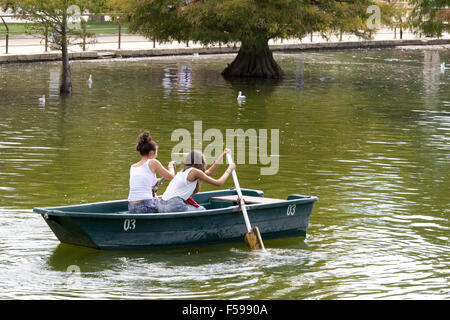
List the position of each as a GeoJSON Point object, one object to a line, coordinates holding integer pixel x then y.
{"type": "Point", "coordinates": [253, 239]}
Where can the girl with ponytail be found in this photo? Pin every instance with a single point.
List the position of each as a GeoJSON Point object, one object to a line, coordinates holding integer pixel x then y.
{"type": "Point", "coordinates": [143, 176]}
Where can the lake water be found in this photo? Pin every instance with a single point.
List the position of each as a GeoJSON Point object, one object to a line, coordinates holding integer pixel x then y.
{"type": "Point", "coordinates": [368, 132]}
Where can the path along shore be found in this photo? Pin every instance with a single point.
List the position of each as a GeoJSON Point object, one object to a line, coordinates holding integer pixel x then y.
{"type": "Point", "coordinates": [141, 49]}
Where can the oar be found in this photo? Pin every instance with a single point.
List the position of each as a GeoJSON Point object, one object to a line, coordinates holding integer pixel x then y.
{"type": "Point", "coordinates": [252, 237]}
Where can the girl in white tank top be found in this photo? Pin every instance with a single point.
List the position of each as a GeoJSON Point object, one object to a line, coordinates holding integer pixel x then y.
{"type": "Point", "coordinates": [142, 179]}
{"type": "Point", "coordinates": [180, 186]}
{"type": "Point", "coordinates": [178, 195]}
{"type": "Point", "coordinates": [143, 176]}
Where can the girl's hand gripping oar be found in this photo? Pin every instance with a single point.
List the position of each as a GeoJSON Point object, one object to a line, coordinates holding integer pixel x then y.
{"type": "Point", "coordinates": [253, 237]}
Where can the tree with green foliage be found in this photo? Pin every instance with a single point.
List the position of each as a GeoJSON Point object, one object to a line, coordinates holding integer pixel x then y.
{"type": "Point", "coordinates": [399, 18]}
{"type": "Point", "coordinates": [430, 17]}
{"type": "Point", "coordinates": [345, 21]}
{"type": "Point", "coordinates": [62, 18]}
{"type": "Point", "coordinates": [393, 14]}
{"type": "Point", "coordinates": [252, 23]}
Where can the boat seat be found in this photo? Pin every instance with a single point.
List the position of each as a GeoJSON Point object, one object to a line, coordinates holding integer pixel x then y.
{"type": "Point", "coordinates": [247, 199]}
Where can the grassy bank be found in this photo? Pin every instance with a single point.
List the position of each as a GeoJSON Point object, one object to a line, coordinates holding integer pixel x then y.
{"type": "Point", "coordinates": [98, 28]}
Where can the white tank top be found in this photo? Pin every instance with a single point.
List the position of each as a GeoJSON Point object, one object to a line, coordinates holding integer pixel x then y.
{"type": "Point", "coordinates": [180, 186]}
{"type": "Point", "coordinates": [142, 179]}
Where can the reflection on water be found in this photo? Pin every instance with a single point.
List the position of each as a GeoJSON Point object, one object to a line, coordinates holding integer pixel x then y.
{"type": "Point", "coordinates": [54, 82]}
{"type": "Point", "coordinates": [300, 67]}
{"type": "Point", "coordinates": [431, 78]}
{"type": "Point", "coordinates": [366, 131]}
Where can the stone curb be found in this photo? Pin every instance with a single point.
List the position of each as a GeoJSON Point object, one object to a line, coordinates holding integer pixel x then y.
{"type": "Point", "coordinates": [132, 53]}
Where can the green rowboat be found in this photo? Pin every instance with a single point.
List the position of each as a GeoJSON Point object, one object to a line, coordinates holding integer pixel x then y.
{"type": "Point", "coordinates": [109, 226]}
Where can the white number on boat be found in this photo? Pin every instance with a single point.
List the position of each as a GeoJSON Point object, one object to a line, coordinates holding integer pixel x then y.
{"type": "Point", "coordinates": [290, 210]}
{"type": "Point", "coordinates": [129, 224]}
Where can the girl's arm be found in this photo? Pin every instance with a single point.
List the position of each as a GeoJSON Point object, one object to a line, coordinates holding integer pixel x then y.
{"type": "Point", "coordinates": [200, 175]}
{"type": "Point", "coordinates": [157, 167]}
{"type": "Point", "coordinates": [214, 166]}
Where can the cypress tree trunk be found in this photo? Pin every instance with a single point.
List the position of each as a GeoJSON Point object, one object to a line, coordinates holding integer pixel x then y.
{"type": "Point", "coordinates": [401, 28]}
{"type": "Point", "coordinates": [254, 61]}
{"type": "Point", "coordinates": [83, 24]}
{"type": "Point", "coordinates": [66, 78]}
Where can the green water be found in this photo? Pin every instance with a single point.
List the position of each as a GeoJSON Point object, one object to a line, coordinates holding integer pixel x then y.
{"type": "Point", "coordinates": [372, 143]}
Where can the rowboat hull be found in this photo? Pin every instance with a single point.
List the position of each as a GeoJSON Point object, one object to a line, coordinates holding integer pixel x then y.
{"type": "Point", "coordinates": [108, 226]}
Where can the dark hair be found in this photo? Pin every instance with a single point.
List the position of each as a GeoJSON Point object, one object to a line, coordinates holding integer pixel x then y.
{"type": "Point", "coordinates": [145, 144]}
{"type": "Point", "coordinates": [196, 160]}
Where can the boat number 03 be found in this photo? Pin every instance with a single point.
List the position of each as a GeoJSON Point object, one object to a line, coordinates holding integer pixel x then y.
{"type": "Point", "coordinates": [129, 224]}
{"type": "Point", "coordinates": [290, 210]}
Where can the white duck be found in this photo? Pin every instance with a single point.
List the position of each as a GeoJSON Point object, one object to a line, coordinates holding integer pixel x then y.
{"type": "Point", "coordinates": [443, 67]}
{"type": "Point", "coordinates": [90, 81]}
{"type": "Point", "coordinates": [42, 99]}
{"type": "Point", "coordinates": [240, 97]}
